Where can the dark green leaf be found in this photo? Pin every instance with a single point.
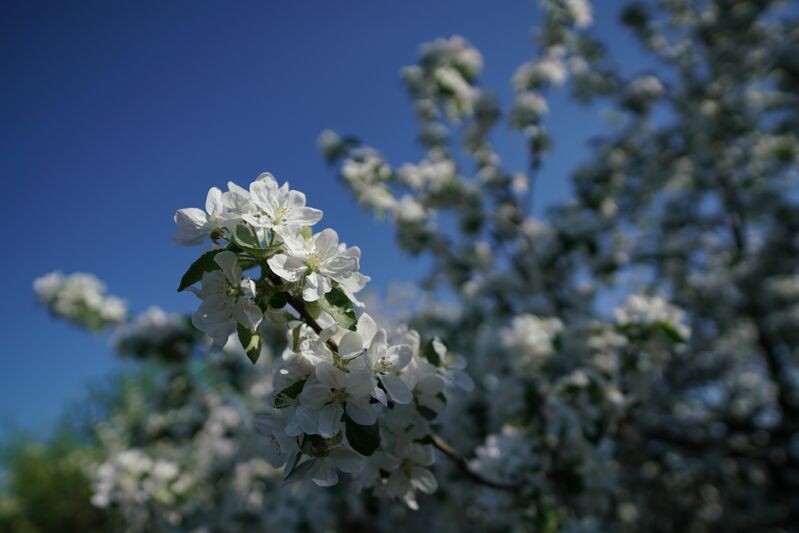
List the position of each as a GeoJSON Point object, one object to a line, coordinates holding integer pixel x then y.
{"type": "Point", "coordinates": [426, 412]}
{"type": "Point", "coordinates": [251, 342]}
{"type": "Point", "coordinates": [284, 397]}
{"type": "Point", "coordinates": [431, 354]}
{"type": "Point", "coordinates": [671, 331]}
{"type": "Point", "coordinates": [363, 439]}
{"type": "Point", "coordinates": [339, 307]}
{"type": "Point", "coordinates": [204, 264]}
{"type": "Point", "coordinates": [295, 338]}
{"type": "Point", "coordinates": [245, 239]}
{"type": "Point", "coordinates": [278, 300]}
{"type": "Point", "coordinates": [298, 471]}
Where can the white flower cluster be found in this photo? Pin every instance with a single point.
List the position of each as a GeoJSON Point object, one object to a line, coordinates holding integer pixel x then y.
{"type": "Point", "coordinates": [349, 397]}
{"type": "Point", "coordinates": [360, 402]}
{"type": "Point", "coordinates": [642, 310]}
{"type": "Point", "coordinates": [446, 73]}
{"type": "Point", "coordinates": [428, 175]}
{"type": "Point", "coordinates": [578, 12]}
{"type": "Point", "coordinates": [132, 475]}
{"type": "Point", "coordinates": [155, 332]}
{"type": "Point", "coordinates": [81, 299]}
{"type": "Point", "coordinates": [531, 339]}
{"type": "Point", "coordinates": [264, 223]}
{"type": "Point", "coordinates": [366, 173]}
{"type": "Point", "coordinates": [504, 454]}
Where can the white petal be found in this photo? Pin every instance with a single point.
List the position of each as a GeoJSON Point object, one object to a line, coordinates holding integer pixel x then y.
{"type": "Point", "coordinates": [230, 266]}
{"type": "Point", "coordinates": [378, 346]}
{"type": "Point", "coordinates": [302, 421]}
{"type": "Point", "coordinates": [326, 242]}
{"type": "Point", "coordinates": [366, 328]}
{"type": "Point", "coordinates": [430, 384]}
{"type": "Point", "coordinates": [350, 345]}
{"type": "Point", "coordinates": [423, 480]}
{"type": "Point", "coordinates": [213, 202]}
{"type": "Point", "coordinates": [315, 287]}
{"type": "Point", "coordinates": [247, 313]}
{"type": "Point", "coordinates": [397, 390]}
{"type": "Point", "coordinates": [192, 226]}
{"type": "Point", "coordinates": [305, 216]}
{"type": "Point", "coordinates": [330, 420]}
{"type": "Point", "coordinates": [315, 396]}
{"type": "Point", "coordinates": [191, 217]}
{"type": "Point", "coordinates": [359, 383]}
{"type": "Point", "coordinates": [380, 395]}
{"type": "Point", "coordinates": [263, 195]}
{"type": "Point", "coordinates": [361, 412]}
{"type": "Point", "coordinates": [330, 376]}
{"type": "Point", "coordinates": [462, 380]}
{"type": "Point", "coordinates": [338, 267]}
{"type": "Point", "coordinates": [346, 460]}
{"type": "Point", "coordinates": [323, 475]}
{"type": "Point", "coordinates": [287, 267]}
{"type": "Point", "coordinates": [399, 355]}
{"type": "Point", "coordinates": [295, 199]}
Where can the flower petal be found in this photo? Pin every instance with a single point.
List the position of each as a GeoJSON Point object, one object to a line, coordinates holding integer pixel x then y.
{"type": "Point", "coordinates": [247, 313]}
{"type": "Point", "coordinates": [423, 480]}
{"type": "Point", "coordinates": [361, 412]}
{"type": "Point", "coordinates": [366, 328]}
{"type": "Point", "coordinates": [346, 460]}
{"type": "Point", "coordinates": [229, 264]}
{"type": "Point", "coordinates": [315, 396]}
{"type": "Point", "coordinates": [351, 345]}
{"type": "Point", "coordinates": [359, 383]}
{"type": "Point", "coordinates": [287, 267]}
{"type": "Point", "coordinates": [330, 420]}
{"type": "Point", "coordinates": [330, 376]}
{"type": "Point", "coordinates": [397, 390]}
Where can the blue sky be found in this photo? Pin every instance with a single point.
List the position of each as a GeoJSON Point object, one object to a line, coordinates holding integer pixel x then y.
{"type": "Point", "coordinates": [114, 114]}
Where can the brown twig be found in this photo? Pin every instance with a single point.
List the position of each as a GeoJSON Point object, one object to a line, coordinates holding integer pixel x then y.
{"type": "Point", "coordinates": [463, 466]}
{"type": "Point", "coordinates": [299, 306]}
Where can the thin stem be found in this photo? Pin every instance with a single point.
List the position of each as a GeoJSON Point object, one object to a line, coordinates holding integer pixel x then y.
{"type": "Point", "coordinates": [299, 305]}
{"type": "Point", "coordinates": [463, 466]}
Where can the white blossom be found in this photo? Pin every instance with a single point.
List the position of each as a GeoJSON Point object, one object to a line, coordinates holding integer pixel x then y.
{"type": "Point", "coordinates": [227, 300]}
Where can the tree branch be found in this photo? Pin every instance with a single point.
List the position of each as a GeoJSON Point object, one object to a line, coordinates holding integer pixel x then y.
{"type": "Point", "coordinates": [463, 466]}
{"type": "Point", "coordinates": [299, 305]}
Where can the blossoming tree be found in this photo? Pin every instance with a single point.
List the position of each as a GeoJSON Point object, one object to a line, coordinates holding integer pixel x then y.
{"type": "Point", "coordinates": [628, 363]}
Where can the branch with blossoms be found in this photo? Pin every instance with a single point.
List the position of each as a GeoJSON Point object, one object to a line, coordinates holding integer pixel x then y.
{"type": "Point", "coordinates": [349, 396]}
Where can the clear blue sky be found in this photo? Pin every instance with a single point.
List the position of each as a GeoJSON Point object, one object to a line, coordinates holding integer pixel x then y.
{"type": "Point", "coordinates": [114, 114]}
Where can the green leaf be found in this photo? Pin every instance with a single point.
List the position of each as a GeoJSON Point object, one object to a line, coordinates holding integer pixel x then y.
{"type": "Point", "coordinates": [205, 263]}
{"type": "Point", "coordinates": [426, 412]}
{"type": "Point", "coordinates": [298, 470]}
{"type": "Point", "coordinates": [284, 397]}
{"type": "Point", "coordinates": [431, 354]}
{"type": "Point", "coordinates": [339, 307]}
{"type": "Point", "coordinates": [363, 439]}
{"type": "Point", "coordinates": [245, 239]}
{"type": "Point", "coordinates": [313, 309]}
{"type": "Point", "coordinates": [251, 342]}
{"type": "Point", "coordinates": [671, 331]}
{"type": "Point", "coordinates": [295, 338]}
{"type": "Point", "coordinates": [278, 300]}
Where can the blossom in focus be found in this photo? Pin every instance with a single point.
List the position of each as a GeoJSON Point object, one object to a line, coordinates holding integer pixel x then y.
{"type": "Point", "coordinates": [279, 208]}
{"type": "Point", "coordinates": [317, 261]}
{"type": "Point", "coordinates": [227, 299]}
